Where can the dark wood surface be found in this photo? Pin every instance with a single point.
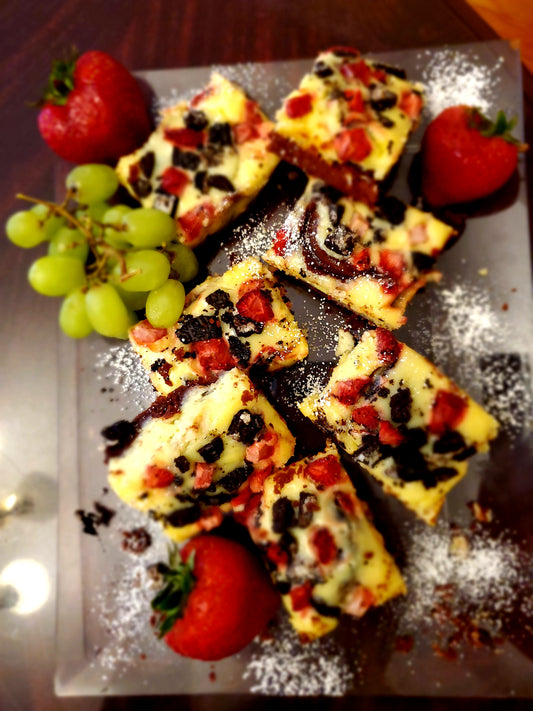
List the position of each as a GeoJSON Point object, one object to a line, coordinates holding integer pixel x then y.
{"type": "Point", "coordinates": [148, 34]}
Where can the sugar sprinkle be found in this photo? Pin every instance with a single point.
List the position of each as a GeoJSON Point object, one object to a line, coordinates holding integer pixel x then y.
{"type": "Point", "coordinates": [454, 77]}
{"type": "Point", "coordinates": [285, 667]}
{"type": "Point", "coordinates": [122, 367]}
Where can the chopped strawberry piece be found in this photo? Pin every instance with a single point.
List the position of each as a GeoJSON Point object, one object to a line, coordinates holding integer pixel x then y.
{"type": "Point", "coordinates": [301, 596]}
{"type": "Point", "coordinates": [195, 220]}
{"type": "Point", "coordinates": [388, 348]}
{"type": "Point", "coordinates": [366, 416]}
{"type": "Point", "coordinates": [174, 181]}
{"type": "Point", "coordinates": [185, 137]}
{"type": "Point", "coordinates": [280, 241]}
{"type": "Point", "coordinates": [418, 234]}
{"type": "Point", "coordinates": [324, 545]}
{"type": "Point", "coordinates": [388, 434]}
{"type": "Point", "coordinates": [211, 518]}
{"type": "Point", "coordinates": [277, 555]}
{"type": "Point", "coordinates": [213, 354]}
{"type": "Point", "coordinates": [355, 100]}
{"type": "Point", "coordinates": [256, 305]}
{"type": "Point", "coordinates": [349, 391]}
{"type": "Point", "coordinates": [258, 451]}
{"type": "Point", "coordinates": [257, 480]}
{"type": "Point", "coordinates": [346, 502]}
{"type": "Point", "coordinates": [247, 516]}
{"type": "Point", "coordinates": [325, 471]}
{"type": "Point", "coordinates": [357, 70]}
{"type": "Point", "coordinates": [411, 104]}
{"type": "Point", "coordinates": [447, 412]}
{"type": "Point", "coordinates": [299, 105]}
{"type": "Point", "coordinates": [360, 600]}
{"type": "Point", "coordinates": [201, 96]}
{"type": "Point", "coordinates": [244, 132]}
{"type": "Point", "coordinates": [157, 477]}
{"type": "Point", "coordinates": [203, 475]}
{"type": "Point", "coordinates": [361, 260]}
{"type": "Point", "coordinates": [352, 144]}
{"type": "Point", "coordinates": [252, 113]}
{"type": "Point", "coordinates": [144, 333]}
{"type": "Point", "coordinates": [392, 263]}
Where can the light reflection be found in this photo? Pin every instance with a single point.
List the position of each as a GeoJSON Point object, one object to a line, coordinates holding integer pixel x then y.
{"type": "Point", "coordinates": [30, 580]}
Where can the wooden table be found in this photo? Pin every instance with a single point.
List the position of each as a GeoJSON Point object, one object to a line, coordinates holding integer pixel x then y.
{"type": "Point", "coordinates": [144, 35]}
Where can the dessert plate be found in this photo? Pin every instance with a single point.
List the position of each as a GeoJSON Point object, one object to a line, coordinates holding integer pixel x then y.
{"type": "Point", "coordinates": [466, 626]}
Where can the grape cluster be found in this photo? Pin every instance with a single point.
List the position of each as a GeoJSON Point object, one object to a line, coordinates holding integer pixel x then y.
{"type": "Point", "coordinates": [107, 261]}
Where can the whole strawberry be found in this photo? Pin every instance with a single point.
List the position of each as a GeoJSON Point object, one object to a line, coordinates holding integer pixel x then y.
{"type": "Point", "coordinates": [215, 601]}
{"type": "Point", "coordinates": [465, 156]}
{"type": "Point", "coordinates": [94, 110]}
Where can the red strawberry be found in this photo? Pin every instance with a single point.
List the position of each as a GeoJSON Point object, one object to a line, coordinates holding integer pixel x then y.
{"type": "Point", "coordinates": [348, 391]}
{"type": "Point", "coordinates": [94, 110]}
{"type": "Point", "coordinates": [255, 304]}
{"type": "Point", "coordinates": [144, 333]}
{"type": "Point", "coordinates": [325, 471]}
{"type": "Point", "coordinates": [157, 477]}
{"type": "Point", "coordinates": [465, 156]}
{"type": "Point", "coordinates": [447, 412]}
{"type": "Point", "coordinates": [213, 354]}
{"type": "Point", "coordinates": [352, 144]}
{"type": "Point", "coordinates": [215, 601]}
{"type": "Point", "coordinates": [298, 105]}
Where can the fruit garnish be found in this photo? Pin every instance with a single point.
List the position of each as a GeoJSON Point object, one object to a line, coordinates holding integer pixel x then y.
{"type": "Point", "coordinates": [465, 156]}
{"type": "Point", "coordinates": [93, 110]}
{"type": "Point", "coordinates": [107, 261]}
{"type": "Point", "coordinates": [215, 600]}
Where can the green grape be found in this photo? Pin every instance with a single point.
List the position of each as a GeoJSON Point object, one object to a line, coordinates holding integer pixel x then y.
{"type": "Point", "coordinates": [165, 304]}
{"type": "Point", "coordinates": [147, 227]}
{"type": "Point", "coordinates": [148, 268]}
{"type": "Point", "coordinates": [73, 317]}
{"type": "Point", "coordinates": [107, 313]}
{"type": "Point", "coordinates": [50, 220]}
{"type": "Point", "coordinates": [184, 262]}
{"type": "Point", "coordinates": [114, 216]}
{"type": "Point", "coordinates": [134, 300]}
{"type": "Point", "coordinates": [25, 229]}
{"type": "Point", "coordinates": [69, 243]}
{"type": "Point", "coordinates": [95, 211]}
{"type": "Point", "coordinates": [92, 182]}
{"type": "Point", "coordinates": [54, 275]}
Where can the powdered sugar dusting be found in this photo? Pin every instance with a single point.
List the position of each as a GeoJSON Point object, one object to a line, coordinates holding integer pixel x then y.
{"type": "Point", "coordinates": [454, 77]}
{"type": "Point", "coordinates": [285, 667]}
{"type": "Point", "coordinates": [121, 366]}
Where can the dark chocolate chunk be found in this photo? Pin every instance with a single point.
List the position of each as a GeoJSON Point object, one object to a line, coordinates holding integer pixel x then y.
{"type": "Point", "coordinates": [382, 99]}
{"type": "Point", "coordinates": [185, 159]}
{"type": "Point", "coordinates": [220, 182]}
{"type": "Point", "coordinates": [181, 517]}
{"type": "Point", "coordinates": [451, 441]}
{"type": "Point", "coordinates": [326, 610]}
{"type": "Point", "coordinates": [246, 326]}
{"type": "Point", "coordinates": [400, 405]}
{"type": "Point", "coordinates": [322, 70]}
{"type": "Point", "coordinates": [341, 240]}
{"type": "Point", "coordinates": [392, 209]}
{"type": "Point", "coordinates": [198, 328]}
{"type": "Point", "coordinates": [394, 71]}
{"type": "Point", "coordinates": [423, 262]}
{"type": "Point", "coordinates": [219, 299]}
{"type": "Point", "coordinates": [146, 164]}
{"type": "Point", "coordinates": [141, 187]}
{"type": "Point", "coordinates": [122, 434]}
{"type": "Point", "coordinates": [136, 541]}
{"type": "Point", "coordinates": [212, 450]}
{"type": "Point", "coordinates": [200, 181]}
{"type": "Point", "coordinates": [236, 477]}
{"type": "Point", "coordinates": [282, 515]}
{"type": "Point", "coordinates": [240, 350]}
{"type": "Point", "coordinates": [220, 134]}
{"type": "Point", "coordinates": [246, 426]}
{"type": "Point", "coordinates": [195, 120]}
{"type": "Point", "coordinates": [306, 506]}
{"type": "Point", "coordinates": [182, 463]}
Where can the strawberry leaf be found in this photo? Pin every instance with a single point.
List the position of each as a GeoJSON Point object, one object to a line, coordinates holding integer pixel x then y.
{"type": "Point", "coordinates": [171, 601]}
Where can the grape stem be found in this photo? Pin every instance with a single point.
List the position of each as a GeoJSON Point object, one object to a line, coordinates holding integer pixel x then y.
{"type": "Point", "coordinates": [101, 250]}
